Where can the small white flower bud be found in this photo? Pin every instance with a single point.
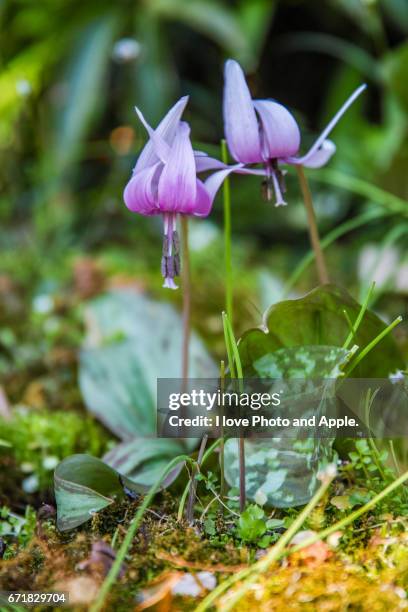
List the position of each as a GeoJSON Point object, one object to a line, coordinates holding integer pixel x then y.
{"type": "Point", "coordinates": [126, 50]}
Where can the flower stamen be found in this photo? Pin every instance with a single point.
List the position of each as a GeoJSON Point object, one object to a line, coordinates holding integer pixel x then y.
{"type": "Point", "coordinates": [170, 263]}
{"type": "Point", "coordinates": [273, 183]}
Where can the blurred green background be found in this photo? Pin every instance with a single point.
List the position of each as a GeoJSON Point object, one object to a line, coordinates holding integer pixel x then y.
{"type": "Point", "coordinates": [70, 75]}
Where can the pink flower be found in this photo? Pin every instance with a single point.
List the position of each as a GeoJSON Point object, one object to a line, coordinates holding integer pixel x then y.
{"type": "Point", "coordinates": [165, 182]}
{"type": "Point", "coordinates": [265, 132]}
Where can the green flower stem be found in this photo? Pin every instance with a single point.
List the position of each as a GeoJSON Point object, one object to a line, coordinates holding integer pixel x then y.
{"type": "Point", "coordinates": [227, 237]}
{"type": "Point", "coordinates": [274, 553]}
{"type": "Point", "coordinates": [312, 225]}
{"type": "Point", "coordinates": [236, 367]}
{"type": "Point", "coordinates": [222, 446]}
{"type": "Point", "coordinates": [137, 519]}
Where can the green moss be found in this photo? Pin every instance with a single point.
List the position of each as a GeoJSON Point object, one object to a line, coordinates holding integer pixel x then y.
{"type": "Point", "coordinates": [38, 440]}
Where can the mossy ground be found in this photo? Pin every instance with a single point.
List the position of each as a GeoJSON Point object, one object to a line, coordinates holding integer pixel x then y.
{"type": "Point", "coordinates": [367, 569]}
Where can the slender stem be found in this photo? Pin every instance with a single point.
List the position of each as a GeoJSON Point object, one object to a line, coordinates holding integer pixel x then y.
{"type": "Point", "coordinates": [222, 445]}
{"type": "Point", "coordinates": [227, 238]}
{"type": "Point", "coordinates": [193, 483]}
{"type": "Point", "coordinates": [186, 285]}
{"type": "Point", "coordinates": [312, 224]}
{"type": "Point", "coordinates": [122, 552]}
{"type": "Point", "coordinates": [394, 457]}
{"type": "Point", "coordinates": [234, 358]}
{"type": "Point", "coordinates": [228, 346]}
{"type": "Point", "coordinates": [242, 488]}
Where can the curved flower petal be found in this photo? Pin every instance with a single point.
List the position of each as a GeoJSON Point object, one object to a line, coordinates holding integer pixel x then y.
{"type": "Point", "coordinates": [323, 136]}
{"type": "Point", "coordinates": [240, 122]}
{"type": "Point", "coordinates": [320, 157]}
{"type": "Point", "coordinates": [160, 146]}
{"type": "Point", "coordinates": [280, 133]}
{"type": "Point", "coordinates": [204, 162]}
{"type": "Point", "coordinates": [214, 182]}
{"type": "Point", "coordinates": [167, 129]}
{"type": "Point", "coordinates": [177, 183]}
{"type": "Point", "coordinates": [139, 192]}
{"type": "Point", "coordinates": [203, 203]}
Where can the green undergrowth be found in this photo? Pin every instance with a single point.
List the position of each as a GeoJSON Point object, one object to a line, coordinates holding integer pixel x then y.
{"type": "Point", "coordinates": [37, 440]}
{"type": "Point", "coordinates": [366, 568]}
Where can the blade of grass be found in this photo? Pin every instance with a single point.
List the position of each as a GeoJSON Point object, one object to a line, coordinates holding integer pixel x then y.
{"type": "Point", "coordinates": [360, 316]}
{"type": "Point", "coordinates": [360, 356]}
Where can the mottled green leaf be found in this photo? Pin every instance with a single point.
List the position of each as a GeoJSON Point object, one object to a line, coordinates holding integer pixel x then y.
{"type": "Point", "coordinates": [132, 341]}
{"type": "Point", "coordinates": [318, 319]}
{"type": "Point", "coordinates": [302, 362]}
{"type": "Point", "coordinates": [83, 486]}
{"type": "Point", "coordinates": [143, 460]}
{"type": "Point", "coordinates": [285, 469]}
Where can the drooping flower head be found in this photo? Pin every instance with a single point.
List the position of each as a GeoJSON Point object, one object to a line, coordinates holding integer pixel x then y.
{"type": "Point", "coordinates": [265, 132]}
{"type": "Point", "coordinates": [164, 182]}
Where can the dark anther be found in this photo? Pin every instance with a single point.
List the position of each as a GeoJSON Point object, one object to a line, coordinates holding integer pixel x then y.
{"type": "Point", "coordinates": [267, 188]}
{"type": "Point", "coordinates": [164, 266]}
{"type": "Point", "coordinates": [176, 242]}
{"type": "Point", "coordinates": [165, 245]}
{"type": "Point", "coordinates": [177, 265]}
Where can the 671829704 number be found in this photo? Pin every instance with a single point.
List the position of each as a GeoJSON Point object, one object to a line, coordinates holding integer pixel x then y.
{"type": "Point", "coordinates": [34, 598]}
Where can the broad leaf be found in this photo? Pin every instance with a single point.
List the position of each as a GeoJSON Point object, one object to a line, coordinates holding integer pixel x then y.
{"type": "Point", "coordinates": [83, 486]}
{"type": "Point", "coordinates": [318, 319]}
{"type": "Point", "coordinates": [284, 469]}
{"type": "Point", "coordinates": [132, 342]}
{"type": "Point", "coordinates": [143, 460]}
{"type": "Point", "coordinates": [302, 339]}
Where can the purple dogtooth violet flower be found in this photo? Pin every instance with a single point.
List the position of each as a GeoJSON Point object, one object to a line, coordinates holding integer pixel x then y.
{"type": "Point", "coordinates": [265, 132]}
{"type": "Point", "coordinates": [165, 182]}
